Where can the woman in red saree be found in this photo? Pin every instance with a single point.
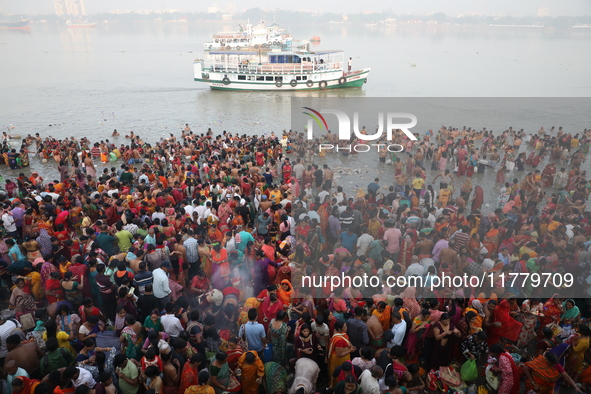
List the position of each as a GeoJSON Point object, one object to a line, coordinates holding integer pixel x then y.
{"type": "Point", "coordinates": [53, 288]}
{"type": "Point", "coordinates": [24, 385]}
{"type": "Point", "coordinates": [234, 352]}
{"type": "Point", "coordinates": [224, 212]}
{"type": "Point", "coordinates": [506, 368]}
{"type": "Point", "coordinates": [509, 328]}
{"type": "Point", "coordinates": [190, 374]}
{"type": "Point", "coordinates": [548, 175]}
{"type": "Point", "coordinates": [220, 267]}
{"type": "Point", "coordinates": [463, 166]}
{"type": "Point", "coordinates": [501, 175]}
{"type": "Point", "coordinates": [269, 308]}
{"type": "Point", "coordinates": [478, 198]}
{"type": "Point", "coordinates": [552, 311]}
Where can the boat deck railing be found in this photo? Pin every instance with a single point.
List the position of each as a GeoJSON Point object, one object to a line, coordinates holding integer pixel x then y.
{"type": "Point", "coordinates": [250, 68]}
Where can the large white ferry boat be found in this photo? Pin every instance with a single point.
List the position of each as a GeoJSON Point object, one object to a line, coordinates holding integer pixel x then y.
{"type": "Point", "coordinates": [250, 36]}
{"type": "Point", "coordinates": [277, 70]}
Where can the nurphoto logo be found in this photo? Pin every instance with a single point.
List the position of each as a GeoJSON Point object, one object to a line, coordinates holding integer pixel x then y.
{"type": "Point", "coordinates": [346, 127]}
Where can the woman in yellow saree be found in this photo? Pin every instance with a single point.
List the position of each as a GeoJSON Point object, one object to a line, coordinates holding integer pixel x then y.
{"type": "Point", "coordinates": [339, 349]}
{"type": "Point", "coordinates": [253, 371]}
{"type": "Point", "coordinates": [579, 345]}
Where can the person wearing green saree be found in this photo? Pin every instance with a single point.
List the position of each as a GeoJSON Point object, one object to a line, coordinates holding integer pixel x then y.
{"type": "Point", "coordinates": [222, 379]}
{"type": "Point", "coordinates": [152, 322]}
{"type": "Point", "coordinates": [348, 386]}
{"type": "Point", "coordinates": [131, 338]}
{"type": "Point", "coordinates": [278, 331]}
{"type": "Point", "coordinates": [571, 314]}
{"type": "Point", "coordinates": [275, 378]}
{"type": "Point", "coordinates": [533, 266]}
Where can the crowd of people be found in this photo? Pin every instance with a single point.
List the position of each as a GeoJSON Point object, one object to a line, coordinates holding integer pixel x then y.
{"type": "Point", "coordinates": [177, 267]}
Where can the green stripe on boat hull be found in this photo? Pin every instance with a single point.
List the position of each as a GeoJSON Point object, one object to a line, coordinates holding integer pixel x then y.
{"type": "Point", "coordinates": [270, 86]}
{"type": "Point", "coordinates": [354, 84]}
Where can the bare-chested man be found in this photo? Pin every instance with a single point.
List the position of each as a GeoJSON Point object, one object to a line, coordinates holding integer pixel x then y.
{"type": "Point", "coordinates": [489, 309]}
{"type": "Point", "coordinates": [449, 255]}
{"type": "Point", "coordinates": [376, 333]}
{"type": "Point", "coordinates": [424, 247]}
{"type": "Point", "coordinates": [171, 375]}
{"type": "Point", "coordinates": [26, 355]}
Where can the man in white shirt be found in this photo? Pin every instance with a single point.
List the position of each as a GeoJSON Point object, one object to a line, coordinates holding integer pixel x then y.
{"type": "Point", "coordinates": [112, 191]}
{"type": "Point", "coordinates": [415, 269]}
{"type": "Point", "coordinates": [9, 223]}
{"type": "Point", "coordinates": [363, 242]}
{"type": "Point", "coordinates": [189, 210]}
{"type": "Point", "coordinates": [158, 214]}
{"type": "Point", "coordinates": [399, 330]}
{"type": "Point", "coordinates": [78, 376]}
{"type": "Point", "coordinates": [369, 380]}
{"type": "Point", "coordinates": [171, 324]}
{"type": "Point", "coordinates": [322, 195]}
{"type": "Point", "coordinates": [160, 284]}
{"type": "Point", "coordinates": [298, 170]}
{"type": "Point", "coordinates": [203, 211]}
{"type": "Point", "coordinates": [7, 328]}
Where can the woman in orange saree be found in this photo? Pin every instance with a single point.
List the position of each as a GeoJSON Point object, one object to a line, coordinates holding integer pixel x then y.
{"type": "Point", "coordinates": [383, 312]}
{"type": "Point", "coordinates": [543, 372]}
{"type": "Point", "coordinates": [323, 213]}
{"type": "Point", "coordinates": [491, 240]}
{"type": "Point", "coordinates": [285, 292]}
{"type": "Point", "coordinates": [253, 371]}
{"type": "Point", "coordinates": [44, 222]}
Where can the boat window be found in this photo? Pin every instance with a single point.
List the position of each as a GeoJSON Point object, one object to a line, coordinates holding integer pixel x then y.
{"type": "Point", "coordinates": [278, 78]}
{"type": "Point", "coordinates": [269, 79]}
{"type": "Point", "coordinates": [298, 78]}
{"type": "Point", "coordinates": [297, 59]}
{"type": "Point", "coordinates": [289, 59]}
{"type": "Point", "coordinates": [281, 59]}
{"type": "Point", "coordinates": [304, 77]}
{"type": "Point", "coordinates": [242, 77]}
{"type": "Point", "coordinates": [260, 78]}
{"type": "Point", "coordinates": [273, 59]}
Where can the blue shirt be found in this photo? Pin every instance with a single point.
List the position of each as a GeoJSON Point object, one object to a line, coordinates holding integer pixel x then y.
{"type": "Point", "coordinates": [374, 187]}
{"type": "Point", "coordinates": [255, 332]}
{"type": "Point", "coordinates": [349, 241]}
{"type": "Point", "coordinates": [245, 236]}
{"type": "Point", "coordinates": [17, 251]}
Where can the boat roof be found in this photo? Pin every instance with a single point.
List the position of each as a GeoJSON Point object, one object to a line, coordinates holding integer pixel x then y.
{"type": "Point", "coordinates": [230, 52]}
{"type": "Point", "coordinates": [326, 52]}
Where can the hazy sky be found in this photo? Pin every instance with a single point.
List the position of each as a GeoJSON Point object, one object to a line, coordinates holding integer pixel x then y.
{"type": "Point", "coordinates": [450, 7]}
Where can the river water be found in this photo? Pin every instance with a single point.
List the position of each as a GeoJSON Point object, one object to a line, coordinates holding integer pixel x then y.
{"type": "Point", "coordinates": [86, 82]}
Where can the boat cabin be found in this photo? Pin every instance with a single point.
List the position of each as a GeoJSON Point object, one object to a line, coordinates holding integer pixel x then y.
{"type": "Point", "coordinates": [254, 62]}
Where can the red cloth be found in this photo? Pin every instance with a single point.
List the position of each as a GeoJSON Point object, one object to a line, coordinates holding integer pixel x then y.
{"type": "Point", "coordinates": [510, 328]}
{"type": "Point", "coordinates": [231, 290]}
{"type": "Point", "coordinates": [515, 370]}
